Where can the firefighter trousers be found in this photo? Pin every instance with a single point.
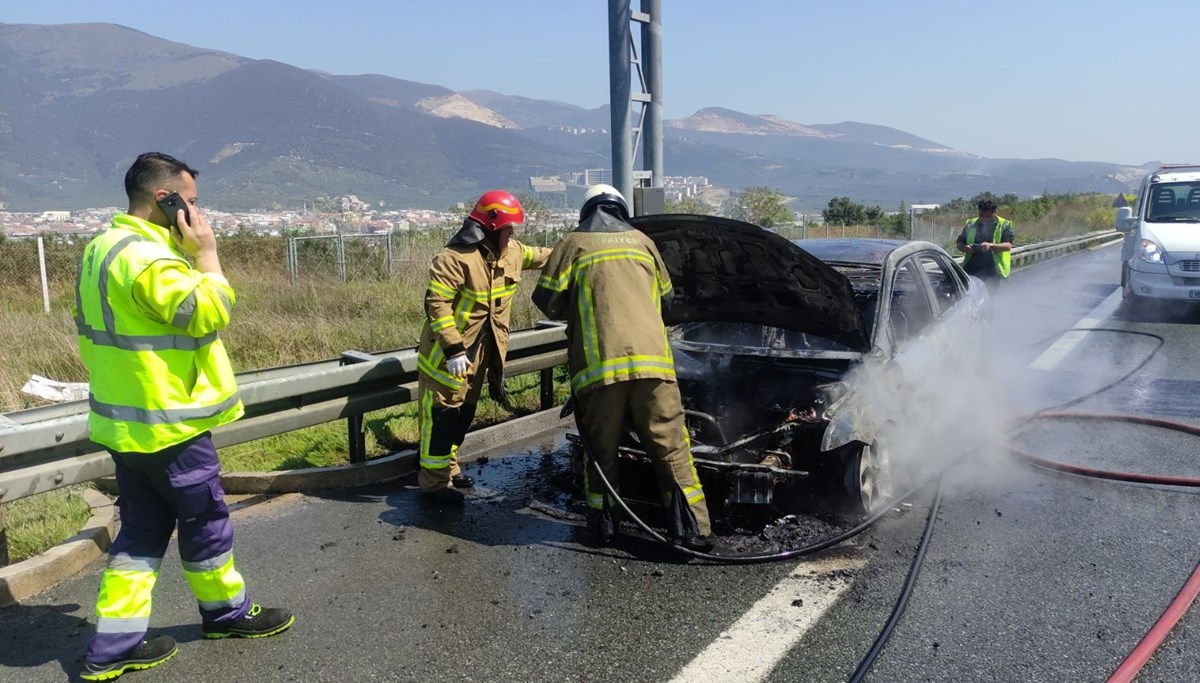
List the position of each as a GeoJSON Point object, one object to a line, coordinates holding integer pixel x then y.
{"type": "Point", "coordinates": [443, 418]}
{"type": "Point", "coordinates": [656, 411]}
{"type": "Point", "coordinates": [179, 485]}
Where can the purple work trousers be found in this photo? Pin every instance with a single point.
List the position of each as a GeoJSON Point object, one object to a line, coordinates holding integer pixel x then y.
{"type": "Point", "coordinates": [177, 485]}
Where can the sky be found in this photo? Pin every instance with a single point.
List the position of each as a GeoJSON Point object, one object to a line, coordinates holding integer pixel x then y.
{"type": "Point", "coordinates": [1081, 80]}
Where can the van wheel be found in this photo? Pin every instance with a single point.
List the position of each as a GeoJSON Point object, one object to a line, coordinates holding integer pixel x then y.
{"type": "Point", "coordinates": [1132, 302]}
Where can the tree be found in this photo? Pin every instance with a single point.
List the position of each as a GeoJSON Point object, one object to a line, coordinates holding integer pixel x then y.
{"type": "Point", "coordinates": [843, 211]}
{"type": "Point", "coordinates": [692, 204]}
{"type": "Point", "coordinates": [846, 212]}
{"type": "Point", "coordinates": [760, 205]}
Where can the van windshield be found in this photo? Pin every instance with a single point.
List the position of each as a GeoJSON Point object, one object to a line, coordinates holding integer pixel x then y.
{"type": "Point", "coordinates": [1173, 203]}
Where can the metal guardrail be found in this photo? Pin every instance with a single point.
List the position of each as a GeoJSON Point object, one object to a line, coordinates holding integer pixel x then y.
{"type": "Point", "coordinates": [1032, 253]}
{"type": "Point", "coordinates": [45, 448]}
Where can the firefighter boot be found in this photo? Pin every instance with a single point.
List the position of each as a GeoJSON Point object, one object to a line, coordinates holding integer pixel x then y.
{"type": "Point", "coordinates": [601, 528]}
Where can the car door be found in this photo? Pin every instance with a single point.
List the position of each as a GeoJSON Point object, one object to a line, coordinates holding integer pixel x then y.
{"type": "Point", "coordinates": [958, 319]}
{"type": "Point", "coordinates": [910, 319]}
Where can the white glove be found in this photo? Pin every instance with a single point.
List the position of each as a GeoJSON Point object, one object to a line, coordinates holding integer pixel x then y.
{"type": "Point", "coordinates": [458, 365]}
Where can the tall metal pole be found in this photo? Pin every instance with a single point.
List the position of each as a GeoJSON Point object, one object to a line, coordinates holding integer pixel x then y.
{"type": "Point", "coordinates": [619, 83]}
{"type": "Point", "coordinates": [652, 154]}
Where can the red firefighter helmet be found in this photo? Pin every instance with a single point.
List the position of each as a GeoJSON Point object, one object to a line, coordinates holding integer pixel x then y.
{"type": "Point", "coordinates": [497, 209]}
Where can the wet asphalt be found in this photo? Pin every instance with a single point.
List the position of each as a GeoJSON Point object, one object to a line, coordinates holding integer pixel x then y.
{"type": "Point", "coordinates": [1030, 575]}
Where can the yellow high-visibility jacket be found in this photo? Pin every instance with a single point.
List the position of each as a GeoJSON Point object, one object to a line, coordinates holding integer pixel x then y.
{"type": "Point", "coordinates": [609, 282]}
{"type": "Point", "coordinates": [1003, 259]}
{"type": "Point", "coordinates": [148, 323]}
{"type": "Point", "coordinates": [469, 296]}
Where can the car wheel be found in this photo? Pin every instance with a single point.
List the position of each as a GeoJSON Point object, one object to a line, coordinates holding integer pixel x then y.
{"type": "Point", "coordinates": [868, 478]}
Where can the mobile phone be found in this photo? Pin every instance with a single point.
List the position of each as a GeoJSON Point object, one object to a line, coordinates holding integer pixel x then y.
{"type": "Point", "coordinates": [171, 204]}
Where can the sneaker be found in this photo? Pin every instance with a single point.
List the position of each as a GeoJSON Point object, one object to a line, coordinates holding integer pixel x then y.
{"type": "Point", "coordinates": [148, 655]}
{"type": "Point", "coordinates": [446, 495]}
{"type": "Point", "coordinates": [259, 622]}
{"type": "Point", "coordinates": [462, 481]}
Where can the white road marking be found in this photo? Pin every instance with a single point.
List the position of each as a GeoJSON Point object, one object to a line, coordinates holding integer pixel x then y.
{"type": "Point", "coordinates": [1059, 350]}
{"type": "Point", "coordinates": [751, 648]}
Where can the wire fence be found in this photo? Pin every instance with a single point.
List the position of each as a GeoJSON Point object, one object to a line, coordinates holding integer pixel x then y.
{"type": "Point", "coordinates": [34, 278]}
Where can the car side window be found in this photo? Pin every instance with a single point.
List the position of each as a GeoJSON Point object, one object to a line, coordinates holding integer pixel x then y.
{"type": "Point", "coordinates": [947, 288]}
{"type": "Point", "coordinates": [911, 309]}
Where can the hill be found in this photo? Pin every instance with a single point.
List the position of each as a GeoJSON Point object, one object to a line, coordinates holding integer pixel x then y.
{"type": "Point", "coordinates": [82, 100]}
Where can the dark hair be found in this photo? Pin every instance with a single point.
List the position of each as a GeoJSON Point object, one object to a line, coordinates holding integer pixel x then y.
{"type": "Point", "coordinates": [987, 205]}
{"type": "Point", "coordinates": [151, 171]}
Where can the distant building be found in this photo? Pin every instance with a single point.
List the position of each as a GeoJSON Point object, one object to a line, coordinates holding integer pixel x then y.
{"type": "Point", "coordinates": [55, 216]}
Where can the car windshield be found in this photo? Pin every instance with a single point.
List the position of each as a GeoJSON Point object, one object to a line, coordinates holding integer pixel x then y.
{"type": "Point", "coordinates": [1173, 203]}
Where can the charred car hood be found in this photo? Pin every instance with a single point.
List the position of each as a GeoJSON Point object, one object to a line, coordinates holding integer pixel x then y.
{"type": "Point", "coordinates": [723, 269]}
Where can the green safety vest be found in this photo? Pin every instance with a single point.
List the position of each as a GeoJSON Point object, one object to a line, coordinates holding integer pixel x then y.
{"type": "Point", "coordinates": [1003, 258]}
{"type": "Point", "coordinates": [158, 372]}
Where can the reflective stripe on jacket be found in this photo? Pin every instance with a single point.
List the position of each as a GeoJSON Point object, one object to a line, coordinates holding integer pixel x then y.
{"type": "Point", "coordinates": [1003, 258]}
{"type": "Point", "coordinates": [609, 282]}
{"type": "Point", "coordinates": [469, 295]}
{"type": "Point", "coordinates": [148, 324]}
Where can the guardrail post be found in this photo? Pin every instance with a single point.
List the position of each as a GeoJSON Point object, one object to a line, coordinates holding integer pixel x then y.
{"type": "Point", "coordinates": [3, 539]}
{"type": "Point", "coordinates": [356, 437]}
{"type": "Point", "coordinates": [547, 388]}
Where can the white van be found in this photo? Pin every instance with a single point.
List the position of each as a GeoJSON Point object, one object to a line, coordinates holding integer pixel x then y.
{"type": "Point", "coordinates": [1161, 254]}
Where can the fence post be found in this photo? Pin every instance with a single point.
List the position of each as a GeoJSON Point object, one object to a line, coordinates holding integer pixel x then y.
{"type": "Point", "coordinates": [288, 259]}
{"type": "Point", "coordinates": [341, 257]}
{"type": "Point", "coordinates": [389, 254]}
{"type": "Point", "coordinates": [42, 267]}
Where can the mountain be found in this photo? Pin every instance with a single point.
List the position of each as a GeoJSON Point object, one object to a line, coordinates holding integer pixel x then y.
{"type": "Point", "coordinates": [80, 101]}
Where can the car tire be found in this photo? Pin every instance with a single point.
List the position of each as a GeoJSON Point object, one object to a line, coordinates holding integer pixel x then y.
{"type": "Point", "coordinates": [867, 477]}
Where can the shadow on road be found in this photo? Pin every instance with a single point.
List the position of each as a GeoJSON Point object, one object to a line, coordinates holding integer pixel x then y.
{"type": "Point", "coordinates": [36, 634]}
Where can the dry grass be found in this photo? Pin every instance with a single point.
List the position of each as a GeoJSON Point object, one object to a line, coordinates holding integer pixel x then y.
{"type": "Point", "coordinates": [275, 322]}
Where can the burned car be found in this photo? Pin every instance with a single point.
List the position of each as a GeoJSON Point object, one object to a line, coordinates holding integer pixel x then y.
{"type": "Point", "coordinates": [802, 364]}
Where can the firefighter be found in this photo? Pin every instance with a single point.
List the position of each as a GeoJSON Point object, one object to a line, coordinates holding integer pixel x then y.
{"type": "Point", "coordinates": [468, 304]}
{"type": "Point", "coordinates": [608, 281]}
{"type": "Point", "coordinates": [159, 380]}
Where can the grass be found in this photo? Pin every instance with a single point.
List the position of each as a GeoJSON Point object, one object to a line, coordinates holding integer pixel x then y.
{"type": "Point", "coordinates": [40, 522]}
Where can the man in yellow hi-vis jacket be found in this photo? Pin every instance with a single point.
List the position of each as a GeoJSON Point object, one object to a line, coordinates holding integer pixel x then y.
{"type": "Point", "coordinates": [468, 304]}
{"type": "Point", "coordinates": [159, 380]}
{"type": "Point", "coordinates": [608, 281]}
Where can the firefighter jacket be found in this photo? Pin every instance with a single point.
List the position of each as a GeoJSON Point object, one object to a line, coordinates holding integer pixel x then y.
{"type": "Point", "coordinates": [469, 302]}
{"type": "Point", "coordinates": [608, 281]}
{"type": "Point", "coordinates": [148, 328]}
{"type": "Point", "coordinates": [1003, 259]}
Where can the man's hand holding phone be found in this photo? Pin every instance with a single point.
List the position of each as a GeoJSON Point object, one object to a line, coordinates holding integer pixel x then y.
{"type": "Point", "coordinates": [191, 232]}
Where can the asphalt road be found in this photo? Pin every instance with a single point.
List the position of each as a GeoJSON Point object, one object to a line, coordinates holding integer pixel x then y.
{"type": "Point", "coordinates": [1030, 576]}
